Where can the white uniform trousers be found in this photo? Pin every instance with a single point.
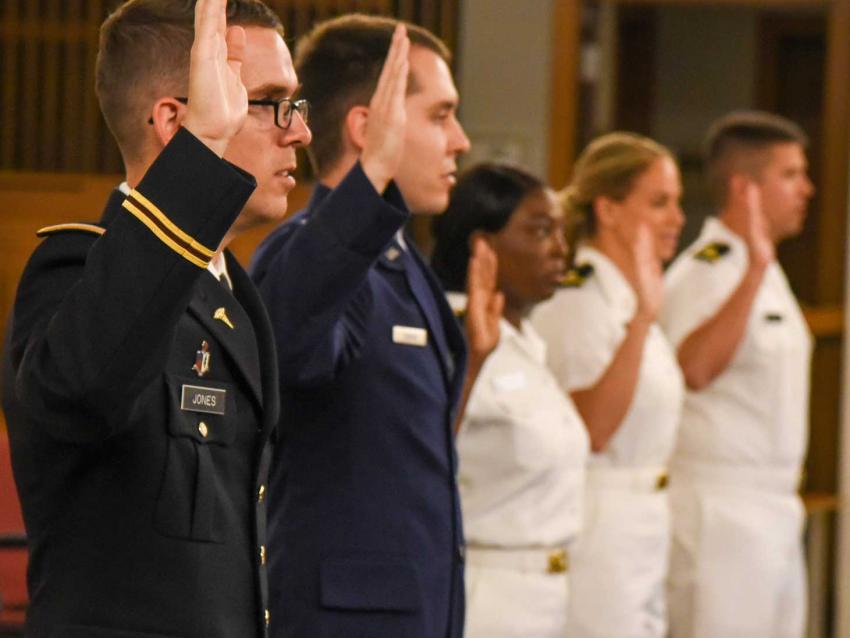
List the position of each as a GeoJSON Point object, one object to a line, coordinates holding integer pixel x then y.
{"type": "Point", "coordinates": [619, 564]}
{"type": "Point", "coordinates": [736, 566]}
{"type": "Point", "coordinates": [516, 593]}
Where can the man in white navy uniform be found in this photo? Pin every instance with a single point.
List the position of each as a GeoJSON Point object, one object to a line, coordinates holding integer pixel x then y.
{"type": "Point", "coordinates": [737, 565]}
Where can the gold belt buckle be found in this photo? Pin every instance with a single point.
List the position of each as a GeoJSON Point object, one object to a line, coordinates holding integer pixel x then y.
{"type": "Point", "coordinates": [661, 481]}
{"type": "Point", "coordinates": [559, 562]}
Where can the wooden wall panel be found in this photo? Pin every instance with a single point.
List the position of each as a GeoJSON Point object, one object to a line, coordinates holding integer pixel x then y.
{"type": "Point", "coordinates": [563, 110]}
{"type": "Point", "coordinates": [50, 119]}
{"type": "Point", "coordinates": [30, 201]}
{"type": "Point", "coordinates": [9, 46]}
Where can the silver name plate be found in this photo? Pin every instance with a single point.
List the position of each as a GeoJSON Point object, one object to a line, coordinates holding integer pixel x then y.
{"type": "Point", "coordinates": [197, 398]}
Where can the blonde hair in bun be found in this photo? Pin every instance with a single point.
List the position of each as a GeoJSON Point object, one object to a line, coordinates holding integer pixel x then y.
{"type": "Point", "coordinates": [608, 167]}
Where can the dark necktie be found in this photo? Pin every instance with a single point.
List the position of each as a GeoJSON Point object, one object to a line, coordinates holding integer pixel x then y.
{"type": "Point", "coordinates": [224, 280]}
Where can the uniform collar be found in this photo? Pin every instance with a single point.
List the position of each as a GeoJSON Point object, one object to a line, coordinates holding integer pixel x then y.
{"type": "Point", "coordinates": [526, 339]}
{"type": "Point", "coordinates": [715, 230]}
{"type": "Point", "coordinates": [320, 192]}
{"type": "Point", "coordinates": [615, 287]}
{"type": "Point", "coordinates": [218, 268]}
{"type": "Point", "coordinates": [399, 238]}
{"type": "Point", "coordinates": [457, 302]}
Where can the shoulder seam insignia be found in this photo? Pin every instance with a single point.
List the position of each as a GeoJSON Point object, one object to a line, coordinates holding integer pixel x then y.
{"type": "Point", "coordinates": [166, 230]}
{"type": "Point", "coordinates": [712, 252]}
{"type": "Point", "coordinates": [61, 228]}
{"type": "Point", "coordinates": [576, 276]}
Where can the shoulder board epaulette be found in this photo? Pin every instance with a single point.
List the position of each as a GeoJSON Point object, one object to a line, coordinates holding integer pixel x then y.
{"type": "Point", "coordinates": [712, 252]}
{"type": "Point", "coordinates": [577, 275]}
{"type": "Point", "coordinates": [68, 228]}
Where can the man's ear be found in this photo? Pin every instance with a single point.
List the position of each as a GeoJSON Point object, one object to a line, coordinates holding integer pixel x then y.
{"type": "Point", "coordinates": [354, 130]}
{"type": "Point", "coordinates": [166, 116]}
{"type": "Point", "coordinates": [738, 184]}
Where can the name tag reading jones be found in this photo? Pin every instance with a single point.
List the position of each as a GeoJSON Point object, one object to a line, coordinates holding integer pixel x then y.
{"type": "Point", "coordinates": [199, 399]}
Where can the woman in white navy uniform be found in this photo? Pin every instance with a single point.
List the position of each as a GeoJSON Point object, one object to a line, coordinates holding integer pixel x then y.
{"type": "Point", "coordinates": [522, 445]}
{"type": "Point", "coordinates": [609, 354]}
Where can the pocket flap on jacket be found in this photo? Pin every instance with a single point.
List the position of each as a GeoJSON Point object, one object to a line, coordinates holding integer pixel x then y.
{"type": "Point", "coordinates": [184, 420]}
{"type": "Point", "coordinates": [369, 583]}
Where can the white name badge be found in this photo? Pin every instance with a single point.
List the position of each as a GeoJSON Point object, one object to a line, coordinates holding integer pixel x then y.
{"type": "Point", "coordinates": [410, 336]}
{"type": "Point", "coordinates": [510, 382]}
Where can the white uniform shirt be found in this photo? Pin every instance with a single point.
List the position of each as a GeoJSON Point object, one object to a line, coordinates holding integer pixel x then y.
{"type": "Point", "coordinates": [522, 449]}
{"type": "Point", "coordinates": [755, 412]}
{"type": "Point", "coordinates": [583, 327]}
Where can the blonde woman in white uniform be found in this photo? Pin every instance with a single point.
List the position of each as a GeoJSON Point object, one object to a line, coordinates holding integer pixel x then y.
{"type": "Point", "coordinates": [522, 445]}
{"type": "Point", "coordinates": [737, 566]}
{"type": "Point", "coordinates": [611, 357]}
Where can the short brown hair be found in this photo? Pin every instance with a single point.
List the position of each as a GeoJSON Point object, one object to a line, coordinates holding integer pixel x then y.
{"type": "Point", "coordinates": [144, 55]}
{"type": "Point", "coordinates": [738, 142]}
{"type": "Point", "coordinates": [338, 63]}
{"type": "Point", "coordinates": [608, 167]}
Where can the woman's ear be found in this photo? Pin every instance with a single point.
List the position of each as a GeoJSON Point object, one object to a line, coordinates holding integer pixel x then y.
{"type": "Point", "coordinates": [166, 116]}
{"type": "Point", "coordinates": [604, 210]}
{"type": "Point", "coordinates": [354, 129]}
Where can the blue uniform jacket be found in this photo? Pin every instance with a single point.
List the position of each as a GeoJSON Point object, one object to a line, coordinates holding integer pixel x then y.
{"type": "Point", "coordinates": [365, 532]}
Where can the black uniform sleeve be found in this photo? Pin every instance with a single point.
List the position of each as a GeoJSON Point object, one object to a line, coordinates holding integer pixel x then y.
{"type": "Point", "coordinates": [93, 319]}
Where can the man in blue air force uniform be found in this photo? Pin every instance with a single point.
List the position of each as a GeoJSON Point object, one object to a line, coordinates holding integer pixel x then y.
{"type": "Point", "coordinates": [364, 515]}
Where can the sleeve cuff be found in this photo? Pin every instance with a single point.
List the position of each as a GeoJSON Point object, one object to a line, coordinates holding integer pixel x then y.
{"type": "Point", "coordinates": [358, 217]}
{"type": "Point", "coordinates": [195, 198]}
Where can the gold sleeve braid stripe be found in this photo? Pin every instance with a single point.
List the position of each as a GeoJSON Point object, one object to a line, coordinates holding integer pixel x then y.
{"type": "Point", "coordinates": [59, 228]}
{"type": "Point", "coordinates": [167, 232]}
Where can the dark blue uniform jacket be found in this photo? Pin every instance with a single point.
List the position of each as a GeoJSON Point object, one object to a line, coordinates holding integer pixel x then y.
{"type": "Point", "coordinates": [365, 527]}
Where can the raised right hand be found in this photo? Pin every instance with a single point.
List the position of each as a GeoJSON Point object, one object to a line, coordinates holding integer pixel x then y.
{"type": "Point", "coordinates": [385, 127]}
{"type": "Point", "coordinates": [485, 303]}
{"type": "Point", "coordinates": [649, 278]}
{"type": "Point", "coordinates": [761, 248]}
{"type": "Point", "coordinates": [218, 101]}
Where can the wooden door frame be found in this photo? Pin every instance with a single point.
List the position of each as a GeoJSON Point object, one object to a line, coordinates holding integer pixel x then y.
{"type": "Point", "coordinates": [566, 45]}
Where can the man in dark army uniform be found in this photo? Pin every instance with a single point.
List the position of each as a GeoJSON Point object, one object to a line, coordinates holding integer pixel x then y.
{"type": "Point", "coordinates": [140, 390]}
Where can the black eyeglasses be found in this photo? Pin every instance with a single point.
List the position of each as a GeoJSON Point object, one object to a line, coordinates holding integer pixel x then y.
{"type": "Point", "coordinates": [284, 109]}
